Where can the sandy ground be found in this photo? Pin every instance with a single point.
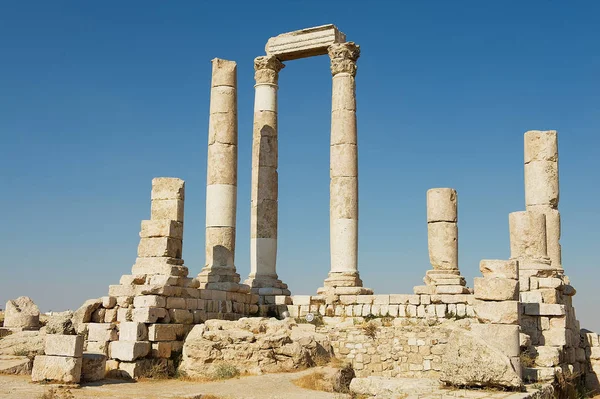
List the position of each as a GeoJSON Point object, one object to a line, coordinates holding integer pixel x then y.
{"type": "Point", "coordinates": [268, 386]}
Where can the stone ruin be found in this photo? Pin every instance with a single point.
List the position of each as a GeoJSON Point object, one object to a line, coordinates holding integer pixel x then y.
{"type": "Point", "coordinates": [517, 325]}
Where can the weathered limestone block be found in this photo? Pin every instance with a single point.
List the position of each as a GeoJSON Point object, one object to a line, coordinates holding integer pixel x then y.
{"type": "Point", "coordinates": [15, 365]}
{"type": "Point", "coordinates": [128, 350]}
{"type": "Point", "coordinates": [149, 301]}
{"type": "Point", "coordinates": [543, 309]}
{"type": "Point", "coordinates": [527, 235]}
{"type": "Point", "coordinates": [93, 367]}
{"type": "Point", "coordinates": [304, 43]}
{"type": "Point", "coordinates": [133, 331]}
{"type": "Point", "coordinates": [64, 345]}
{"type": "Point", "coordinates": [102, 332]}
{"type": "Point", "coordinates": [61, 324]}
{"type": "Point", "coordinates": [503, 337]}
{"type": "Point", "coordinates": [56, 368]}
{"type": "Point", "coordinates": [28, 342]}
{"type": "Point", "coordinates": [148, 315]}
{"type": "Point", "coordinates": [471, 361]}
{"type": "Point", "coordinates": [165, 188]}
{"type": "Point", "coordinates": [161, 350]}
{"type": "Point", "coordinates": [98, 347]}
{"type": "Point", "coordinates": [181, 316]}
{"type": "Point", "coordinates": [22, 313]}
{"type": "Point", "coordinates": [541, 146]}
{"type": "Point", "coordinates": [160, 265]}
{"type": "Point", "coordinates": [171, 209]}
{"type": "Point", "coordinates": [500, 268]}
{"type": "Point", "coordinates": [159, 247]}
{"type": "Point", "coordinates": [547, 356]}
{"type": "Point", "coordinates": [496, 288]}
{"type": "Point", "coordinates": [506, 312]}
{"type": "Point", "coordinates": [109, 302]}
{"type": "Point", "coordinates": [442, 205]}
{"type": "Point", "coordinates": [223, 166]}
{"type": "Point", "coordinates": [443, 245]}
{"type": "Point", "coordinates": [161, 228]}
{"type": "Point", "coordinates": [224, 73]}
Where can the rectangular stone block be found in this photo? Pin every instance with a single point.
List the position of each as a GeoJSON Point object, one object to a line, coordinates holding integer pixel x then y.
{"type": "Point", "coordinates": [160, 247]}
{"type": "Point", "coordinates": [160, 265]}
{"type": "Point", "coordinates": [124, 314]}
{"type": "Point", "coordinates": [149, 301]}
{"type": "Point", "coordinates": [176, 303]}
{"type": "Point", "coordinates": [167, 210]}
{"type": "Point", "coordinates": [97, 347]}
{"type": "Point", "coordinates": [500, 268]}
{"type": "Point", "coordinates": [504, 337]}
{"type": "Point", "coordinates": [148, 315]}
{"type": "Point", "coordinates": [304, 43]}
{"type": "Point", "coordinates": [102, 332]}
{"type": "Point", "coordinates": [549, 282]}
{"type": "Point", "coordinates": [63, 345]}
{"type": "Point", "coordinates": [181, 316]}
{"type": "Point", "coordinates": [531, 297]}
{"type": "Point", "coordinates": [381, 299]}
{"type": "Point", "coordinates": [301, 300]}
{"type": "Point", "coordinates": [404, 299]}
{"type": "Point", "coordinates": [93, 367]}
{"type": "Point", "coordinates": [56, 368]}
{"type": "Point", "coordinates": [555, 337]}
{"type": "Point", "coordinates": [547, 356]}
{"type": "Point", "coordinates": [161, 350]}
{"type": "Point", "coordinates": [161, 228]}
{"type": "Point", "coordinates": [496, 288]}
{"type": "Point", "coordinates": [109, 302]}
{"type": "Point", "coordinates": [168, 188]}
{"type": "Point", "coordinates": [543, 309]}
{"type": "Point", "coordinates": [506, 312]}
{"type": "Point", "coordinates": [128, 350]}
{"type": "Point", "coordinates": [133, 331]}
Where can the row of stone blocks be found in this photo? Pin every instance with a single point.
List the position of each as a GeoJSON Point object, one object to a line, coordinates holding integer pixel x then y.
{"type": "Point", "coordinates": [64, 361]}
{"type": "Point", "coordinates": [591, 344]}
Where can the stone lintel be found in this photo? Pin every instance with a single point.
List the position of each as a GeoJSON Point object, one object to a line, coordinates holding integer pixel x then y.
{"type": "Point", "coordinates": [304, 43]}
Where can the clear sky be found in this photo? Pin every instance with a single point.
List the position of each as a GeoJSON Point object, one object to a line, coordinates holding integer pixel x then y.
{"type": "Point", "coordinates": [97, 98]}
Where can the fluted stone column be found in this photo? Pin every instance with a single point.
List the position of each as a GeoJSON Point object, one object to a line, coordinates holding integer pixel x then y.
{"type": "Point", "coordinates": [442, 241]}
{"type": "Point", "coordinates": [221, 186]}
{"type": "Point", "coordinates": [344, 276]}
{"type": "Point", "coordinates": [263, 277]}
{"type": "Point", "coordinates": [541, 186]}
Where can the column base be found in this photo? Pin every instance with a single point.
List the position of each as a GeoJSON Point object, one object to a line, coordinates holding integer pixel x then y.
{"type": "Point", "coordinates": [439, 281]}
{"type": "Point", "coordinates": [343, 283]}
{"type": "Point", "coordinates": [221, 279]}
{"type": "Point", "coordinates": [267, 285]}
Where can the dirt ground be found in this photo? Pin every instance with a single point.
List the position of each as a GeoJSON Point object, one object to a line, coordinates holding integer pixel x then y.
{"type": "Point", "coordinates": [268, 386]}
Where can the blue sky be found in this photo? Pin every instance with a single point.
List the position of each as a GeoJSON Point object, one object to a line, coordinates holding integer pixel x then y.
{"type": "Point", "coordinates": [96, 99]}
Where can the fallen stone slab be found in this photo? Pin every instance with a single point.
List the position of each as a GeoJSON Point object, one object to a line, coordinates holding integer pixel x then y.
{"type": "Point", "coordinates": [23, 343]}
{"type": "Point", "coordinates": [19, 365]}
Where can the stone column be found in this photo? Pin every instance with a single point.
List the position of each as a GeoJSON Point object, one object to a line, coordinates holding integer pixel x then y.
{"type": "Point", "coordinates": [541, 186]}
{"type": "Point", "coordinates": [263, 277]}
{"type": "Point", "coordinates": [344, 277]}
{"type": "Point", "coordinates": [528, 242]}
{"type": "Point", "coordinates": [221, 183]}
{"type": "Point", "coordinates": [442, 240]}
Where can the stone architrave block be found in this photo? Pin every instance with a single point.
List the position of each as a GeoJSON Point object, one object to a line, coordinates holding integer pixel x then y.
{"type": "Point", "coordinates": [128, 351]}
{"type": "Point", "coordinates": [161, 228]}
{"type": "Point", "coordinates": [505, 312]}
{"type": "Point", "coordinates": [64, 345]}
{"type": "Point", "coordinates": [93, 367]}
{"type": "Point", "coordinates": [504, 337]}
{"type": "Point", "coordinates": [496, 289]}
{"type": "Point", "coordinates": [167, 188]}
{"type": "Point", "coordinates": [304, 43]}
{"type": "Point", "coordinates": [133, 331]}
{"type": "Point", "coordinates": [56, 368]}
{"type": "Point", "coordinates": [160, 247]}
{"type": "Point", "coordinates": [102, 332]}
{"type": "Point", "coordinates": [500, 268]}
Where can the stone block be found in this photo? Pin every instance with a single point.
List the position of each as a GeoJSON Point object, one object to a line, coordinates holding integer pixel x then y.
{"type": "Point", "coordinates": [109, 302]}
{"type": "Point", "coordinates": [547, 356]}
{"type": "Point", "coordinates": [56, 368]}
{"type": "Point", "coordinates": [531, 297]}
{"type": "Point", "coordinates": [149, 301]}
{"type": "Point", "coordinates": [555, 337]}
{"type": "Point", "coordinates": [161, 228]}
{"type": "Point", "coordinates": [443, 245]}
{"type": "Point", "coordinates": [527, 235]}
{"type": "Point", "coordinates": [442, 205]}
{"type": "Point", "coordinates": [381, 299]}
{"type": "Point", "coordinates": [160, 247]}
{"type": "Point", "coordinates": [496, 288]}
{"type": "Point", "coordinates": [167, 210]}
{"type": "Point", "coordinates": [162, 265]}
{"type": "Point", "coordinates": [164, 188]}
{"type": "Point", "coordinates": [551, 296]}
{"type": "Point", "coordinates": [102, 332]}
{"type": "Point", "coordinates": [64, 345]}
{"type": "Point", "coordinates": [506, 312]}
{"type": "Point", "coordinates": [181, 316]}
{"type": "Point", "coordinates": [451, 289]}
{"type": "Point", "coordinates": [128, 350]}
{"type": "Point", "coordinates": [21, 313]}
{"type": "Point", "coordinates": [504, 337]}
{"type": "Point", "coordinates": [500, 268]}
{"type": "Point", "coordinates": [93, 367]}
{"type": "Point", "coordinates": [148, 315]}
{"type": "Point", "coordinates": [133, 331]}
{"type": "Point", "coordinates": [97, 347]}
{"type": "Point", "coordinates": [161, 350]}
{"type": "Point", "coordinates": [304, 43]}
{"type": "Point", "coordinates": [301, 299]}
{"type": "Point", "coordinates": [549, 282]}
{"type": "Point", "coordinates": [543, 309]}
{"type": "Point", "coordinates": [124, 314]}
{"type": "Point", "coordinates": [176, 303]}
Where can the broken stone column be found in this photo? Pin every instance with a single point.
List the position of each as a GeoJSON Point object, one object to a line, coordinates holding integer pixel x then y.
{"type": "Point", "coordinates": [442, 238]}
{"type": "Point", "coordinates": [541, 186]}
{"type": "Point", "coordinates": [221, 189]}
{"type": "Point", "coordinates": [528, 240]}
{"type": "Point", "coordinates": [22, 314]}
{"type": "Point", "coordinates": [263, 277]}
{"type": "Point", "coordinates": [344, 277]}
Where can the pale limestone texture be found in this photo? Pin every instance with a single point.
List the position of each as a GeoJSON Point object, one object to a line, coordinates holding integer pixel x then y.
{"type": "Point", "coordinates": [527, 235]}
{"type": "Point", "coordinates": [22, 313]}
{"type": "Point", "coordinates": [304, 43]}
{"type": "Point", "coordinates": [64, 345]}
{"type": "Point", "coordinates": [56, 368]}
{"type": "Point", "coordinates": [93, 367]}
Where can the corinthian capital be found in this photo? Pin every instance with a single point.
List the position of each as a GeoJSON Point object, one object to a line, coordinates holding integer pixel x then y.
{"type": "Point", "coordinates": [267, 69]}
{"type": "Point", "coordinates": [343, 57]}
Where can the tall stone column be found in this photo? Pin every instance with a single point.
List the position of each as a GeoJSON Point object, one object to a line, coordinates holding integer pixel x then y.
{"type": "Point", "coordinates": [442, 241]}
{"type": "Point", "coordinates": [541, 186]}
{"type": "Point", "coordinates": [221, 187]}
{"type": "Point", "coordinates": [263, 277]}
{"type": "Point", "coordinates": [344, 277]}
